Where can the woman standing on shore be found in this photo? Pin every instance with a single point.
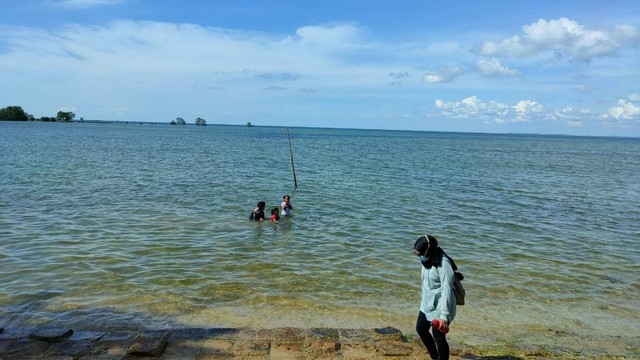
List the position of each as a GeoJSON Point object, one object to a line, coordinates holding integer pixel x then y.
{"type": "Point", "coordinates": [438, 305]}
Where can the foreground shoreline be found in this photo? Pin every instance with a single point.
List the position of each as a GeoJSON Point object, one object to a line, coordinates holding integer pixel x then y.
{"type": "Point", "coordinates": [284, 343]}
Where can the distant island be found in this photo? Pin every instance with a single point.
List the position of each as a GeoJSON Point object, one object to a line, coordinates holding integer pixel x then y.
{"type": "Point", "coordinates": [16, 113]}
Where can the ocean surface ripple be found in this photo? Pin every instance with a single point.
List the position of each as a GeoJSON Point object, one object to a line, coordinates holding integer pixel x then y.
{"type": "Point", "coordinates": [145, 225]}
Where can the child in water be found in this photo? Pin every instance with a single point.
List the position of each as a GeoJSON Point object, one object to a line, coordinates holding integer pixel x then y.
{"type": "Point", "coordinates": [275, 214]}
{"type": "Point", "coordinates": [286, 205]}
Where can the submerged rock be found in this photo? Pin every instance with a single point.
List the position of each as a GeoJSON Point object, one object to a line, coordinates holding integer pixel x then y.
{"type": "Point", "coordinates": [148, 345]}
{"type": "Point", "coordinates": [50, 334]}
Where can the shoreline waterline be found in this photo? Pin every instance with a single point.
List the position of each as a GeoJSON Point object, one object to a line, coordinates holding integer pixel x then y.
{"type": "Point", "coordinates": [288, 342]}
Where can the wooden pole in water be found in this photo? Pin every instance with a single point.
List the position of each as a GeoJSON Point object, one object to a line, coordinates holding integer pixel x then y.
{"type": "Point", "coordinates": [293, 169]}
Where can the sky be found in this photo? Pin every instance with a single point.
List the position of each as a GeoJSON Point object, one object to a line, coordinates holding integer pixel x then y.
{"type": "Point", "coordinates": [545, 67]}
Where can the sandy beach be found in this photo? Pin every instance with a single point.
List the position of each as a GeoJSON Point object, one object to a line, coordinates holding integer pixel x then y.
{"type": "Point", "coordinates": [297, 343]}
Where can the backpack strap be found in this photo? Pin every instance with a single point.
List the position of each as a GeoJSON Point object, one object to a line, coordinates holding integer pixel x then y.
{"type": "Point", "coordinates": [453, 263]}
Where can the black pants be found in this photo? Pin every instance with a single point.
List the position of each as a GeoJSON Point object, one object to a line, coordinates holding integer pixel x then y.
{"type": "Point", "coordinates": [436, 344]}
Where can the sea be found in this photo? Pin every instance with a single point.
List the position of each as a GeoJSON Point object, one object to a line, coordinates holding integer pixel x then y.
{"type": "Point", "coordinates": [145, 226]}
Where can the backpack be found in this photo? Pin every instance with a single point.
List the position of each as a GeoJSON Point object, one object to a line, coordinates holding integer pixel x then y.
{"type": "Point", "coordinates": [458, 289]}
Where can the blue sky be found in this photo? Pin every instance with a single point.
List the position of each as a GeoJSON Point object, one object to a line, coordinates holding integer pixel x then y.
{"type": "Point", "coordinates": [548, 67]}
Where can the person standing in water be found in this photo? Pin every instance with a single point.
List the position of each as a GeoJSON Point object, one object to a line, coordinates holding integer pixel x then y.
{"type": "Point", "coordinates": [258, 212]}
{"type": "Point", "coordinates": [275, 214]}
{"type": "Point", "coordinates": [286, 206]}
{"type": "Point", "coordinates": [438, 304]}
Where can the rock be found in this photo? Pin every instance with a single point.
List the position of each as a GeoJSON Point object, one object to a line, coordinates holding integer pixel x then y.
{"type": "Point", "coordinates": [261, 334]}
{"type": "Point", "coordinates": [321, 342]}
{"type": "Point", "coordinates": [182, 349]}
{"type": "Point", "coordinates": [245, 347]}
{"type": "Point", "coordinates": [324, 334]}
{"type": "Point", "coordinates": [23, 349]}
{"type": "Point", "coordinates": [15, 334]}
{"type": "Point", "coordinates": [388, 348]}
{"type": "Point", "coordinates": [70, 349]}
{"type": "Point", "coordinates": [357, 343]}
{"type": "Point", "coordinates": [87, 335]}
{"type": "Point", "coordinates": [118, 336]}
{"type": "Point", "coordinates": [147, 345]}
{"type": "Point", "coordinates": [201, 334]}
{"type": "Point", "coordinates": [288, 334]}
{"type": "Point", "coordinates": [216, 349]}
{"type": "Point", "coordinates": [355, 336]}
{"type": "Point", "coordinates": [388, 333]}
{"type": "Point", "coordinates": [286, 350]}
{"type": "Point", "coordinates": [108, 349]}
{"type": "Point", "coordinates": [51, 334]}
{"type": "Point", "coordinates": [287, 343]}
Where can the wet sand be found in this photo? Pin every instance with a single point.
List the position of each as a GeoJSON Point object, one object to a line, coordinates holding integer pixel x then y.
{"type": "Point", "coordinates": [298, 343]}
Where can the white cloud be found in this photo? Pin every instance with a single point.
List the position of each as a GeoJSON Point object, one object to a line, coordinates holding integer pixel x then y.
{"type": "Point", "coordinates": [625, 110]}
{"type": "Point", "coordinates": [528, 106]}
{"type": "Point", "coordinates": [138, 62]}
{"type": "Point", "coordinates": [628, 33]}
{"type": "Point", "coordinates": [572, 123]}
{"type": "Point", "coordinates": [634, 97]}
{"type": "Point", "coordinates": [495, 112]}
{"type": "Point", "coordinates": [563, 37]}
{"type": "Point", "coordinates": [526, 110]}
{"type": "Point", "coordinates": [493, 68]}
{"type": "Point", "coordinates": [571, 117]}
{"type": "Point", "coordinates": [445, 74]}
{"type": "Point", "coordinates": [473, 107]}
{"type": "Point", "coordinates": [471, 102]}
{"type": "Point", "coordinates": [333, 36]}
{"type": "Point", "coordinates": [157, 51]}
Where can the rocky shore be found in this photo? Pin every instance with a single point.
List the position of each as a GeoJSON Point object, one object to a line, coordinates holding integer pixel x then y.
{"type": "Point", "coordinates": [278, 343]}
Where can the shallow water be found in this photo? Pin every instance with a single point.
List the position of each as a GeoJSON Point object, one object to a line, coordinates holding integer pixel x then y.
{"type": "Point", "coordinates": [145, 225]}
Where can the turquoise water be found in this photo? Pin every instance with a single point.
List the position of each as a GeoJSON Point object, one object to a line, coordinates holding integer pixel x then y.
{"type": "Point", "coordinates": [145, 225]}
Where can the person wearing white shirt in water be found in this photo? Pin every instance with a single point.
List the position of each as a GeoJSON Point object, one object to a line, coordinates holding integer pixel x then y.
{"type": "Point", "coordinates": [286, 206]}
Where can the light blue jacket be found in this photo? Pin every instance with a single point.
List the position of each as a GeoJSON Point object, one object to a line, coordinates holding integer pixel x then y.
{"type": "Point", "coordinates": [438, 300]}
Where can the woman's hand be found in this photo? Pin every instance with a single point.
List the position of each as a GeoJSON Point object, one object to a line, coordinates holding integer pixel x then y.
{"type": "Point", "coordinates": [444, 326]}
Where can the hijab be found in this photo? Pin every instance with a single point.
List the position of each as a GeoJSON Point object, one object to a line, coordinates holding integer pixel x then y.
{"type": "Point", "coordinates": [427, 245]}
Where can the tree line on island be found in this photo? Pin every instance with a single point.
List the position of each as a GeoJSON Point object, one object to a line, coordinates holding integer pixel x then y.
{"type": "Point", "coordinates": [16, 113]}
{"type": "Point", "coordinates": [180, 121]}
